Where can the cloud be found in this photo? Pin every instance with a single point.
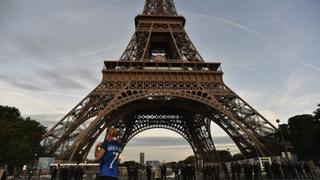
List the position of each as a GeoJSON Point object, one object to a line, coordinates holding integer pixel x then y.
{"type": "Point", "coordinates": [234, 24]}
{"type": "Point", "coordinates": [36, 90]}
{"type": "Point", "coordinates": [25, 85]}
{"type": "Point", "coordinates": [296, 79]}
{"type": "Point", "coordinates": [42, 80]}
{"type": "Point", "coordinates": [89, 53]}
{"type": "Point", "coordinates": [47, 120]}
{"type": "Point", "coordinates": [311, 66]}
{"type": "Point", "coordinates": [247, 64]}
{"type": "Point", "coordinates": [59, 80]}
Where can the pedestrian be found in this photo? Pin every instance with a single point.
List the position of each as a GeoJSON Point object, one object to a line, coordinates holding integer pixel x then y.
{"type": "Point", "coordinates": [163, 172]}
{"type": "Point", "coordinates": [176, 173]}
{"type": "Point", "coordinates": [184, 172]}
{"type": "Point", "coordinates": [292, 170]}
{"type": "Point", "coordinates": [307, 170]}
{"type": "Point", "coordinates": [299, 169]}
{"type": "Point", "coordinates": [157, 173]}
{"type": "Point", "coordinates": [77, 173]}
{"type": "Point", "coordinates": [205, 172]}
{"type": "Point", "coordinates": [237, 169]}
{"type": "Point", "coordinates": [267, 168]}
{"type": "Point", "coordinates": [4, 175]}
{"type": "Point", "coordinates": [193, 172]}
{"type": "Point", "coordinates": [107, 154]}
{"type": "Point", "coordinates": [257, 171]}
{"type": "Point", "coordinates": [149, 171]}
{"type": "Point", "coordinates": [135, 172]}
{"type": "Point", "coordinates": [247, 171]}
{"type": "Point", "coordinates": [225, 170]}
{"type": "Point", "coordinates": [130, 172]}
{"type": "Point", "coordinates": [276, 170]}
{"type": "Point", "coordinates": [54, 173]}
{"type": "Point", "coordinates": [233, 174]}
{"type": "Point", "coordinates": [217, 172]}
{"type": "Point", "coordinates": [211, 172]}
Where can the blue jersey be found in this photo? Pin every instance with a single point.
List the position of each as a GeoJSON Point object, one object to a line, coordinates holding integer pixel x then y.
{"type": "Point", "coordinates": [109, 161]}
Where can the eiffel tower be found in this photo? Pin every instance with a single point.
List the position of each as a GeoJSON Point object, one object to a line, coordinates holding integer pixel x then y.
{"type": "Point", "coordinates": [161, 81]}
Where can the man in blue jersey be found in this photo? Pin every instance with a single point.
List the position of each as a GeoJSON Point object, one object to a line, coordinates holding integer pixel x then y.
{"type": "Point", "coordinates": [107, 153]}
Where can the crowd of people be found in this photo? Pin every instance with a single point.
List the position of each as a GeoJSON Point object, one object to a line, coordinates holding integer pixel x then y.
{"type": "Point", "coordinates": [67, 173]}
{"type": "Point", "coordinates": [245, 170]}
{"type": "Point", "coordinates": [133, 172]}
{"type": "Point", "coordinates": [290, 170]}
{"type": "Point", "coordinates": [185, 172]}
{"type": "Point", "coordinates": [253, 171]}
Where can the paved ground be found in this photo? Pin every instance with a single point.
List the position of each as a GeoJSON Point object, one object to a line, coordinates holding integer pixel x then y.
{"type": "Point", "coordinates": [124, 178]}
{"type": "Point", "coordinates": [144, 178]}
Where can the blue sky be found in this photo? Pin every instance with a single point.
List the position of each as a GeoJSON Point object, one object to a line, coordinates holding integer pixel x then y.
{"type": "Point", "coordinates": [52, 52]}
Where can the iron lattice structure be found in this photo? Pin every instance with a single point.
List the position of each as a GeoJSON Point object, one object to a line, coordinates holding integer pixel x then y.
{"type": "Point", "coordinates": [161, 81]}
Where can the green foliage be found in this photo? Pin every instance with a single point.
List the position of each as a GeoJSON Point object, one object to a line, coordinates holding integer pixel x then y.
{"type": "Point", "coordinates": [237, 157]}
{"type": "Point", "coordinates": [188, 160]}
{"type": "Point", "coordinates": [224, 155]}
{"type": "Point", "coordinates": [303, 132]}
{"type": "Point", "coordinates": [9, 114]}
{"type": "Point", "coordinates": [317, 113]}
{"type": "Point", "coordinates": [130, 163]}
{"type": "Point", "coordinates": [19, 137]}
{"type": "Point", "coordinates": [172, 165]}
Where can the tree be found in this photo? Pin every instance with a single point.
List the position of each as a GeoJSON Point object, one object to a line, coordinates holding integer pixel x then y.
{"type": "Point", "coordinates": [188, 160]}
{"type": "Point", "coordinates": [225, 156]}
{"type": "Point", "coordinates": [317, 114]}
{"type": "Point", "coordinates": [299, 126]}
{"type": "Point", "coordinates": [303, 131]}
{"type": "Point", "coordinates": [130, 163]}
{"type": "Point", "coordinates": [172, 164]}
{"type": "Point", "coordinates": [19, 138]}
{"type": "Point", "coordinates": [237, 157]}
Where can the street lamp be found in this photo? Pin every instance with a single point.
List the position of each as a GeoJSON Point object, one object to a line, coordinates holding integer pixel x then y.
{"type": "Point", "coordinates": [282, 140]}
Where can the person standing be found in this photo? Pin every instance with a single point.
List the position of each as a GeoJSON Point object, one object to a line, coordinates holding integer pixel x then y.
{"type": "Point", "coordinates": [267, 168]}
{"type": "Point", "coordinates": [136, 172]}
{"type": "Point", "coordinates": [107, 154]}
{"type": "Point", "coordinates": [130, 171]}
{"type": "Point", "coordinates": [54, 173]}
{"type": "Point", "coordinates": [176, 173]}
{"type": "Point", "coordinates": [217, 171]}
{"type": "Point", "coordinates": [4, 175]}
{"type": "Point", "coordinates": [149, 171]}
{"type": "Point", "coordinates": [257, 171]}
{"type": "Point", "coordinates": [237, 169]}
{"type": "Point", "coordinates": [163, 172]}
{"type": "Point", "coordinates": [225, 170]}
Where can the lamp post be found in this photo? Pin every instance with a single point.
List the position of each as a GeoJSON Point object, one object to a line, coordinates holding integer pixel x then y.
{"type": "Point", "coordinates": [282, 140]}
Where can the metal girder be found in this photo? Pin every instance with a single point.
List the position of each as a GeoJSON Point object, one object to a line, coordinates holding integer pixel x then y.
{"type": "Point", "coordinates": [159, 8]}
{"type": "Point", "coordinates": [114, 95]}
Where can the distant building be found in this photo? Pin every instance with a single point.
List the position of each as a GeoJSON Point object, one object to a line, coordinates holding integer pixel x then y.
{"type": "Point", "coordinates": [153, 163]}
{"type": "Point", "coordinates": [142, 158]}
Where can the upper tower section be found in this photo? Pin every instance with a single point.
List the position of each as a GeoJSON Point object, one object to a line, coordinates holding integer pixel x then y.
{"type": "Point", "coordinates": [159, 8]}
{"type": "Point", "coordinates": [160, 36]}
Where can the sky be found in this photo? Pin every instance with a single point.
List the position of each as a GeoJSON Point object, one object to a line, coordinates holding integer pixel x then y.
{"type": "Point", "coordinates": [52, 53]}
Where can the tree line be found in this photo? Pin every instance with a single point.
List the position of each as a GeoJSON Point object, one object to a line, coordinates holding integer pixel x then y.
{"type": "Point", "coordinates": [302, 135]}
{"type": "Point", "coordinates": [19, 138]}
